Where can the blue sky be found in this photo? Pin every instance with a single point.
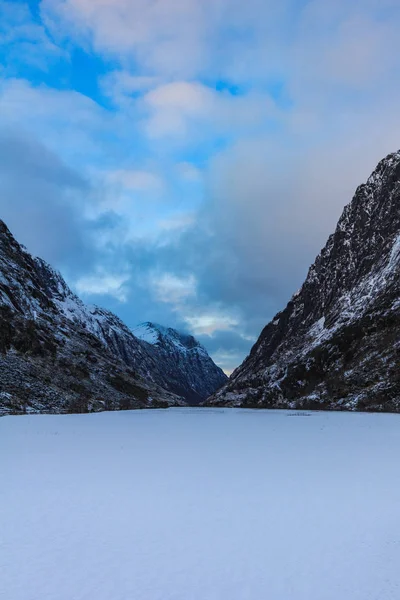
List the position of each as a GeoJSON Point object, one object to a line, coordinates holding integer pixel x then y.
{"type": "Point", "coordinates": [183, 161]}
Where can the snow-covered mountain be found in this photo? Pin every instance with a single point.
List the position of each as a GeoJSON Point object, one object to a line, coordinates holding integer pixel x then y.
{"type": "Point", "coordinates": [58, 354]}
{"type": "Point", "coordinates": [336, 344]}
{"type": "Point", "coordinates": [187, 369]}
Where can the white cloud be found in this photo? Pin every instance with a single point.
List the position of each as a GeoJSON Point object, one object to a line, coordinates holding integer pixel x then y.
{"type": "Point", "coordinates": [182, 294]}
{"type": "Point", "coordinates": [168, 36]}
{"type": "Point", "coordinates": [180, 39]}
{"type": "Point", "coordinates": [20, 100]}
{"type": "Point", "coordinates": [184, 109]}
{"type": "Point", "coordinates": [136, 180]}
{"type": "Point", "coordinates": [170, 289]}
{"type": "Point", "coordinates": [208, 322]}
{"type": "Point", "coordinates": [68, 122]}
{"type": "Point", "coordinates": [177, 223]}
{"type": "Point", "coordinates": [243, 42]}
{"type": "Point", "coordinates": [171, 106]}
{"type": "Point", "coordinates": [102, 283]}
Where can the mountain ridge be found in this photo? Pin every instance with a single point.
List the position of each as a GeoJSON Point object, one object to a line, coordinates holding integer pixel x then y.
{"type": "Point", "coordinates": [59, 355]}
{"type": "Point", "coordinates": [335, 345]}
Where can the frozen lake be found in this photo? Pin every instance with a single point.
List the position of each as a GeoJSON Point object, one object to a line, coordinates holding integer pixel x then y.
{"type": "Point", "coordinates": [200, 504]}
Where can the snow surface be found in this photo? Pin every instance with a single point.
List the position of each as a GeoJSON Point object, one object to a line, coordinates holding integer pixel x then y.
{"type": "Point", "coordinates": [147, 333]}
{"type": "Point", "coordinates": [153, 333]}
{"type": "Point", "coordinates": [200, 504]}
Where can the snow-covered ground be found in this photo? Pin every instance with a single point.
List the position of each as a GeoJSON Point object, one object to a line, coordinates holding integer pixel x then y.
{"type": "Point", "coordinates": [200, 504]}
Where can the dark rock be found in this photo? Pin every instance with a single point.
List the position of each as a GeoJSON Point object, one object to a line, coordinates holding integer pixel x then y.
{"type": "Point", "coordinates": [185, 368]}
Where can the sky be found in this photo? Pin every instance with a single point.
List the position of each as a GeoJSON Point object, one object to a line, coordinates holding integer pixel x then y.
{"type": "Point", "coordinates": [183, 161]}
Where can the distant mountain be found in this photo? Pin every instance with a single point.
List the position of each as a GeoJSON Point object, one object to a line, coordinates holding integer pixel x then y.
{"type": "Point", "coordinates": [185, 368]}
{"type": "Point", "coordinates": [336, 345]}
{"type": "Point", "coordinates": [59, 355]}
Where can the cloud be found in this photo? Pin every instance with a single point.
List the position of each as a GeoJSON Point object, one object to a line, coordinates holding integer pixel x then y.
{"type": "Point", "coordinates": [65, 121]}
{"type": "Point", "coordinates": [271, 207]}
{"type": "Point", "coordinates": [227, 347]}
{"type": "Point", "coordinates": [103, 283]}
{"type": "Point", "coordinates": [175, 109]}
{"type": "Point", "coordinates": [171, 289]}
{"type": "Point", "coordinates": [207, 323]}
{"type": "Point", "coordinates": [163, 36]}
{"type": "Point", "coordinates": [344, 52]}
{"type": "Point", "coordinates": [40, 200]}
{"type": "Point", "coordinates": [171, 106]}
{"type": "Point", "coordinates": [23, 41]}
{"type": "Point", "coordinates": [178, 223]}
{"type": "Point", "coordinates": [138, 180]}
{"type": "Point", "coordinates": [178, 38]}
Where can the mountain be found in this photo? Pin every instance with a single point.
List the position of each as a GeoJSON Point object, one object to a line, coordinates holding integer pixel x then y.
{"type": "Point", "coordinates": [187, 369]}
{"type": "Point", "coordinates": [336, 345]}
{"type": "Point", "coordinates": [59, 355]}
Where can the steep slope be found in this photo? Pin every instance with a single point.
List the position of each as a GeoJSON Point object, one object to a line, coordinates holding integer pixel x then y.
{"type": "Point", "coordinates": [56, 354]}
{"type": "Point", "coordinates": [336, 345]}
{"type": "Point", "coordinates": [59, 355]}
{"type": "Point", "coordinates": [186, 368]}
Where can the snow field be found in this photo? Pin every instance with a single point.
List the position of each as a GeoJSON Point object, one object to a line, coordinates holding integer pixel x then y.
{"type": "Point", "coordinates": [200, 504]}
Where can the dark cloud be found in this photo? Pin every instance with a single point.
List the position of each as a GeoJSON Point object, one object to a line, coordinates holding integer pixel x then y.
{"type": "Point", "coordinates": [42, 200]}
{"type": "Point", "coordinates": [267, 213]}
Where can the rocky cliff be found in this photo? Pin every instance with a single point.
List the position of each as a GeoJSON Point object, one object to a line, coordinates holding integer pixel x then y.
{"type": "Point", "coordinates": [336, 345]}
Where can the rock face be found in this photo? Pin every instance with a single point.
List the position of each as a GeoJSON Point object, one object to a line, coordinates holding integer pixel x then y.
{"type": "Point", "coordinates": [59, 355]}
{"type": "Point", "coordinates": [336, 345]}
{"type": "Point", "coordinates": [187, 369]}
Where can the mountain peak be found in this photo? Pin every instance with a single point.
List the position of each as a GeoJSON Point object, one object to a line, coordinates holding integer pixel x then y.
{"type": "Point", "coordinates": [3, 228]}
{"type": "Point", "coordinates": [154, 333]}
{"type": "Point", "coordinates": [147, 332]}
{"type": "Point", "coordinates": [175, 348]}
